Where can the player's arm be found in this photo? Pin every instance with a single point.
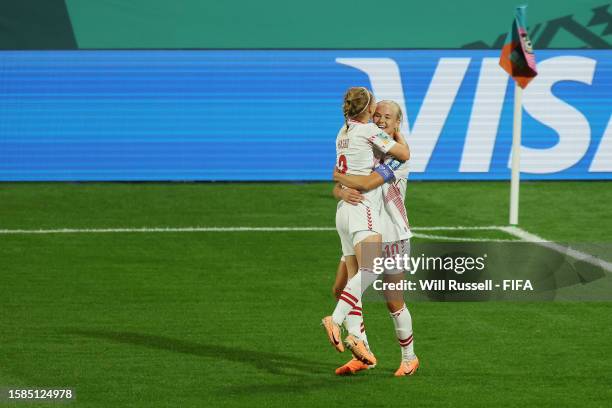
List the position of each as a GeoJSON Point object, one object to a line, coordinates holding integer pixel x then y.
{"type": "Point", "coordinates": [400, 139]}
{"type": "Point", "coordinates": [363, 183]}
{"type": "Point", "coordinates": [387, 144]}
{"type": "Point", "coordinates": [400, 152]}
{"type": "Point", "coordinates": [349, 195]}
{"type": "Point", "coordinates": [381, 174]}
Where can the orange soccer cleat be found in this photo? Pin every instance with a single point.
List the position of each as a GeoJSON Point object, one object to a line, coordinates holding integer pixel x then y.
{"type": "Point", "coordinates": [360, 350]}
{"type": "Point", "coordinates": [407, 367]}
{"type": "Point", "coordinates": [333, 333]}
{"type": "Point", "coordinates": [353, 366]}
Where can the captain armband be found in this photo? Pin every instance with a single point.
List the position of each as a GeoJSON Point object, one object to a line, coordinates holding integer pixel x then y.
{"type": "Point", "coordinates": [386, 172]}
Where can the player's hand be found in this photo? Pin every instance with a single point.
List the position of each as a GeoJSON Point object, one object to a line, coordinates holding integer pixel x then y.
{"type": "Point", "coordinates": [351, 196]}
{"type": "Point", "coordinates": [336, 173]}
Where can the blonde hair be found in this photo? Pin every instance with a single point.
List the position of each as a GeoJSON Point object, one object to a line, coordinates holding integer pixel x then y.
{"type": "Point", "coordinates": [356, 101]}
{"type": "Point", "coordinates": [398, 110]}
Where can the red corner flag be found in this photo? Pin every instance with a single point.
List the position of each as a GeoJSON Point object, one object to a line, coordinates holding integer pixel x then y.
{"type": "Point", "coordinates": [517, 57]}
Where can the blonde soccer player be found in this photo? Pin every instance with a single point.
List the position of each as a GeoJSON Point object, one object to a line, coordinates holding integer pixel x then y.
{"type": "Point", "coordinates": [396, 237]}
{"type": "Point", "coordinates": [359, 226]}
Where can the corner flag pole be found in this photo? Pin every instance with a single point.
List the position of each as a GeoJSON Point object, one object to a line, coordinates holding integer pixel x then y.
{"type": "Point", "coordinates": [516, 155]}
{"type": "Point", "coordinates": [517, 59]}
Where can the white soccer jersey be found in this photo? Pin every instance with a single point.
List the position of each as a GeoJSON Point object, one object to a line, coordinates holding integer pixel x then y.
{"type": "Point", "coordinates": [396, 229]}
{"type": "Point", "coordinates": [356, 144]}
{"type": "Point", "coordinates": [355, 156]}
{"type": "Point", "coordinates": [393, 206]}
{"type": "Point", "coordinates": [394, 194]}
{"type": "Point", "coordinates": [400, 168]}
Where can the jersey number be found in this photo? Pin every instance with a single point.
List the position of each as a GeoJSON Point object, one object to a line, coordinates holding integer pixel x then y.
{"type": "Point", "coordinates": [342, 164]}
{"type": "Point", "coordinates": [391, 250]}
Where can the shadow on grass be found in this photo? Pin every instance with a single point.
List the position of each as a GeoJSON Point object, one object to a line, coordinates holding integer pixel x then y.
{"type": "Point", "coordinates": [298, 374]}
{"type": "Point", "coordinates": [272, 363]}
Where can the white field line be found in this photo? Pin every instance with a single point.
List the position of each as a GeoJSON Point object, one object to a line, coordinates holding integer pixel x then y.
{"type": "Point", "coordinates": [579, 255]}
{"type": "Point", "coordinates": [162, 229]}
{"type": "Point", "coordinates": [220, 229]}
{"type": "Point", "coordinates": [461, 239]}
{"type": "Point", "coordinates": [513, 231]}
{"type": "Point", "coordinates": [459, 228]}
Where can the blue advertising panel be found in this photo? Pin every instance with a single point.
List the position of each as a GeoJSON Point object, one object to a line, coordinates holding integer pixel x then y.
{"type": "Point", "coordinates": [274, 115]}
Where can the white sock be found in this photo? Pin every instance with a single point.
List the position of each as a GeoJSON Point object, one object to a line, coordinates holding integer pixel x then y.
{"type": "Point", "coordinates": [354, 323]}
{"type": "Point", "coordinates": [403, 329]}
{"type": "Point", "coordinates": [351, 295]}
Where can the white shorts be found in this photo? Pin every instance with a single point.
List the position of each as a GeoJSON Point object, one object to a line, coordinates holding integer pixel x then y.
{"type": "Point", "coordinates": [392, 249]}
{"type": "Point", "coordinates": [354, 223]}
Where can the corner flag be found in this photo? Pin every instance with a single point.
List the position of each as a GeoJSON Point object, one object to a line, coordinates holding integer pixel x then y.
{"type": "Point", "coordinates": [517, 57]}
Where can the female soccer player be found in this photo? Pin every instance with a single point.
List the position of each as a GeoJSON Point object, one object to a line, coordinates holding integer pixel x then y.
{"type": "Point", "coordinates": [359, 226]}
{"type": "Point", "coordinates": [396, 237]}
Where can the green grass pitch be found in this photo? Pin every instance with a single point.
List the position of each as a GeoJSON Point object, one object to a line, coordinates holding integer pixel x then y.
{"type": "Point", "coordinates": [207, 319]}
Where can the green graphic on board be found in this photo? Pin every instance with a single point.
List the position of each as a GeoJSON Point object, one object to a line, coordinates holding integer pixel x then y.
{"type": "Point", "coordinates": [35, 25]}
{"type": "Point", "coordinates": [547, 32]}
{"type": "Point", "coordinates": [150, 24]}
{"type": "Point", "coordinates": [335, 24]}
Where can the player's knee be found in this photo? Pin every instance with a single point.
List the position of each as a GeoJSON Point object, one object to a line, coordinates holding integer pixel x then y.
{"type": "Point", "coordinates": [395, 305]}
